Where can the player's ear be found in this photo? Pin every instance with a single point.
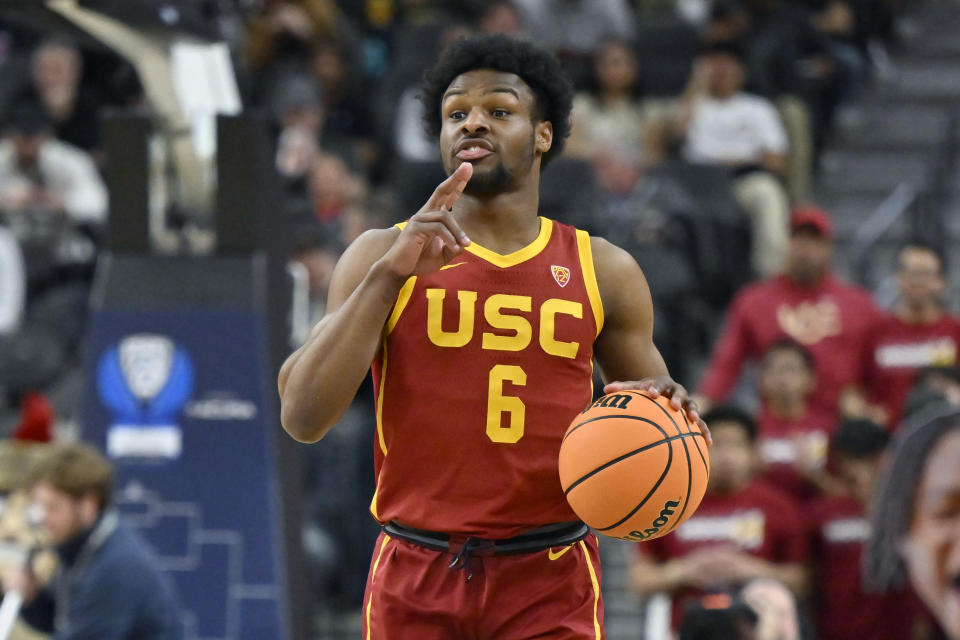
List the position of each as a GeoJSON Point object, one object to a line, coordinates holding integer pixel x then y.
{"type": "Point", "coordinates": [543, 132]}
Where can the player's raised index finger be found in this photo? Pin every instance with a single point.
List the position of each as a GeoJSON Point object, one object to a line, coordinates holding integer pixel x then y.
{"type": "Point", "coordinates": [450, 189]}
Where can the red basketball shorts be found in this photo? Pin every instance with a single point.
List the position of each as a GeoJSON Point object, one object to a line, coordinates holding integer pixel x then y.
{"type": "Point", "coordinates": [413, 594]}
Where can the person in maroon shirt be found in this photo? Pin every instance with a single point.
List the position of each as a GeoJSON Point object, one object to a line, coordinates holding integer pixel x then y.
{"type": "Point", "coordinates": [839, 530]}
{"type": "Point", "coordinates": [919, 333]}
{"type": "Point", "coordinates": [743, 529]}
{"type": "Point", "coordinates": [793, 433]}
{"type": "Point", "coordinates": [806, 303]}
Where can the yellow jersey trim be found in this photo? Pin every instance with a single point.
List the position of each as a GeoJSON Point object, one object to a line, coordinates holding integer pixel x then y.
{"type": "Point", "coordinates": [590, 276]}
{"type": "Point", "coordinates": [373, 502]}
{"type": "Point", "coordinates": [403, 297]}
{"type": "Point", "coordinates": [373, 576]}
{"type": "Point", "coordinates": [401, 225]}
{"type": "Point", "coordinates": [596, 591]}
{"type": "Point", "coordinates": [520, 255]}
{"type": "Point", "coordinates": [383, 381]}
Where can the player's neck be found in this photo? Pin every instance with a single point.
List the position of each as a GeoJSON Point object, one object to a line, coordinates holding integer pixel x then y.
{"type": "Point", "coordinates": [504, 222]}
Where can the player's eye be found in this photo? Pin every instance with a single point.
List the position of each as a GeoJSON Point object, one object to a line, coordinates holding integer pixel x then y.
{"type": "Point", "coordinates": [457, 115]}
{"type": "Point", "coordinates": [500, 113]}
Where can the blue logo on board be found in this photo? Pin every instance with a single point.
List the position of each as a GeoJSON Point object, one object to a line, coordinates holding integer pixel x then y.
{"type": "Point", "coordinates": [145, 379]}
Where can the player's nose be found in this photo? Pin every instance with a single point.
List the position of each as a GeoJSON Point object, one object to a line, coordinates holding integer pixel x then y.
{"type": "Point", "coordinates": [474, 122]}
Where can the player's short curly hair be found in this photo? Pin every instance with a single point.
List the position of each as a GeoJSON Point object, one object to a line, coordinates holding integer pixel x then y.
{"type": "Point", "coordinates": [535, 66]}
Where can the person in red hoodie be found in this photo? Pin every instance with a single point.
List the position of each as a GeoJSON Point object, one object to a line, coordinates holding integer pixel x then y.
{"type": "Point", "coordinates": [807, 303]}
{"type": "Point", "coordinates": [917, 334]}
{"type": "Point", "coordinates": [839, 530]}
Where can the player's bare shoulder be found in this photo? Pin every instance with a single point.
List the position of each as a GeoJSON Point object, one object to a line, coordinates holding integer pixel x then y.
{"type": "Point", "coordinates": [357, 260]}
{"type": "Point", "coordinates": [620, 280]}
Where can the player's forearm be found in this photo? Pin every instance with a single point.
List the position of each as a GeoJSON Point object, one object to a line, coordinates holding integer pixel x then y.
{"type": "Point", "coordinates": [318, 382]}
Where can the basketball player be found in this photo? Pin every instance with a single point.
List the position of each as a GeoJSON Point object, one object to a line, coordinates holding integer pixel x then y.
{"type": "Point", "coordinates": [482, 321]}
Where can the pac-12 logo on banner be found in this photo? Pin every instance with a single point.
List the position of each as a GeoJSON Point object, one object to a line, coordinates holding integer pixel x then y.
{"type": "Point", "coordinates": [145, 380]}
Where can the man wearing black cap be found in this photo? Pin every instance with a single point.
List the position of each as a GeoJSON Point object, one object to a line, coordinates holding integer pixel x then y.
{"type": "Point", "coordinates": [724, 126]}
{"type": "Point", "coordinates": [38, 172]}
{"type": "Point", "coordinates": [807, 304]}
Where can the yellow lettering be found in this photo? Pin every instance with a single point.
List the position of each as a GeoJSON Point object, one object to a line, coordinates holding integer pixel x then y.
{"type": "Point", "coordinates": [464, 332]}
{"type": "Point", "coordinates": [548, 319]}
{"type": "Point", "coordinates": [499, 404]}
{"type": "Point", "coordinates": [522, 331]}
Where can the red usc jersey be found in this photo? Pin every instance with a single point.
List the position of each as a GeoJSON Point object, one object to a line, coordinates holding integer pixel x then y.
{"type": "Point", "coordinates": [484, 365]}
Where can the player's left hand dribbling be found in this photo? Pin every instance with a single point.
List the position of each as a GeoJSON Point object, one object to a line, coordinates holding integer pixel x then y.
{"type": "Point", "coordinates": [670, 388]}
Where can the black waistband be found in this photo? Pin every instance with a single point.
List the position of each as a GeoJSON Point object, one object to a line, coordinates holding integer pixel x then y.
{"type": "Point", "coordinates": [545, 537]}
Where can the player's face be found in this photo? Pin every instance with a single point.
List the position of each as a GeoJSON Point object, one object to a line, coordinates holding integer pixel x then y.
{"type": "Point", "coordinates": [919, 275]}
{"type": "Point", "coordinates": [931, 548]}
{"type": "Point", "coordinates": [732, 458]}
{"type": "Point", "coordinates": [785, 376]}
{"type": "Point", "coordinates": [488, 119]}
{"type": "Point", "coordinates": [61, 515]}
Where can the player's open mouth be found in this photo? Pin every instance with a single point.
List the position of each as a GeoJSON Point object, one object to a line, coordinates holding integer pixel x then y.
{"type": "Point", "coordinates": [473, 153]}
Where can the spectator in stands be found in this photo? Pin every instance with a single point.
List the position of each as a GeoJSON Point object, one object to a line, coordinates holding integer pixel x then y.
{"type": "Point", "coordinates": [722, 125]}
{"type": "Point", "coordinates": [933, 387]}
{"type": "Point", "coordinates": [778, 617]}
{"type": "Point", "coordinates": [793, 434]}
{"type": "Point", "coordinates": [611, 113]}
{"type": "Point", "coordinates": [916, 521]}
{"type": "Point", "coordinates": [279, 40]}
{"type": "Point", "coordinates": [297, 107]}
{"type": "Point", "coordinates": [718, 616]}
{"type": "Point", "coordinates": [575, 29]}
{"type": "Point", "coordinates": [918, 333]}
{"type": "Point", "coordinates": [13, 283]}
{"type": "Point", "coordinates": [40, 174]}
{"type": "Point", "coordinates": [333, 186]}
{"type": "Point", "coordinates": [56, 74]}
{"type": "Point", "coordinates": [109, 585]}
{"type": "Point", "coordinates": [839, 530]}
{"type": "Point", "coordinates": [645, 213]}
{"type": "Point", "coordinates": [503, 17]}
{"type": "Point", "coordinates": [806, 303]}
{"type": "Point", "coordinates": [347, 123]}
{"type": "Point", "coordinates": [743, 529]}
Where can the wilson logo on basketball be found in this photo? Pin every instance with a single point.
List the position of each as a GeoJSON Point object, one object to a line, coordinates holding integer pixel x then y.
{"type": "Point", "coordinates": [560, 274]}
{"type": "Point", "coordinates": [612, 401]}
{"type": "Point", "coordinates": [660, 522]}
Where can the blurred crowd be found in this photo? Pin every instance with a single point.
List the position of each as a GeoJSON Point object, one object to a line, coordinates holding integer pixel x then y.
{"type": "Point", "coordinates": [697, 131]}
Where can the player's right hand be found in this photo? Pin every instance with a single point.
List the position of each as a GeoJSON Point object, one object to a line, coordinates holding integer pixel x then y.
{"type": "Point", "coordinates": [432, 237]}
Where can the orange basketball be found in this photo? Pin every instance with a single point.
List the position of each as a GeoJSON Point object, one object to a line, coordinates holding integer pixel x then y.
{"type": "Point", "coordinates": [632, 466]}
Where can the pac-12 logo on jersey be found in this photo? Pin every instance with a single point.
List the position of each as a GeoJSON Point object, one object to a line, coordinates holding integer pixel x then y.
{"type": "Point", "coordinates": [560, 274]}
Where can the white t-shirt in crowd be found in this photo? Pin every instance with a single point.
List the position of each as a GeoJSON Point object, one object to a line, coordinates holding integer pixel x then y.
{"type": "Point", "coordinates": [64, 169]}
{"type": "Point", "coordinates": [739, 129]}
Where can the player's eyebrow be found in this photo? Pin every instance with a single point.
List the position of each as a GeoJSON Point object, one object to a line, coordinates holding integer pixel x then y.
{"type": "Point", "coordinates": [501, 89]}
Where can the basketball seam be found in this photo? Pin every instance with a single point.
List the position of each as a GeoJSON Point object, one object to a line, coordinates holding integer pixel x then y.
{"type": "Point", "coordinates": [607, 464]}
{"type": "Point", "coordinates": [623, 457]}
{"type": "Point", "coordinates": [578, 425]}
{"type": "Point", "coordinates": [681, 435]}
{"type": "Point", "coordinates": [666, 469]}
{"type": "Point", "coordinates": [686, 500]}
